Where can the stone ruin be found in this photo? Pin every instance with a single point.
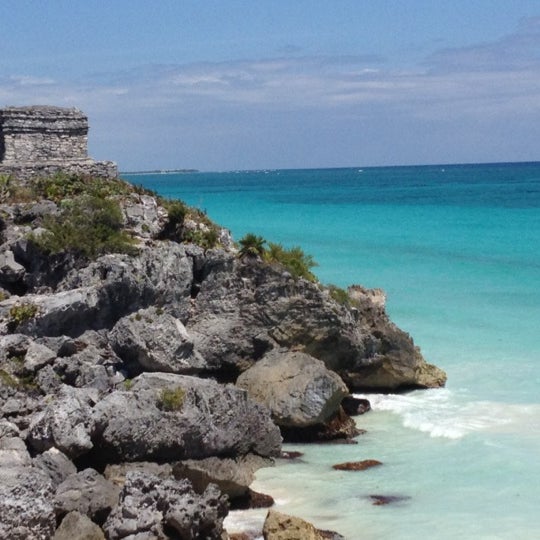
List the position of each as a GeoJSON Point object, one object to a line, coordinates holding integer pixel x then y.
{"type": "Point", "coordinates": [42, 140]}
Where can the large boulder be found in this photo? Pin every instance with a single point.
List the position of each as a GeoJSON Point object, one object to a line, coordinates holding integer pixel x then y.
{"type": "Point", "coordinates": [25, 495]}
{"type": "Point", "coordinates": [150, 506]}
{"type": "Point", "coordinates": [55, 464]}
{"type": "Point", "coordinates": [297, 388]}
{"type": "Point", "coordinates": [167, 417]}
{"type": "Point", "coordinates": [88, 493]}
{"type": "Point", "coordinates": [66, 423]}
{"type": "Point", "coordinates": [232, 476]}
{"type": "Point", "coordinates": [153, 340]}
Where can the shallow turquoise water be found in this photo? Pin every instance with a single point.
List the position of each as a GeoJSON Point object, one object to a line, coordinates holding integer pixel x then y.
{"type": "Point", "coordinates": [457, 249]}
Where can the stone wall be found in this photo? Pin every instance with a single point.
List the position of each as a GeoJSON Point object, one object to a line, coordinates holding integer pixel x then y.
{"type": "Point", "coordinates": [42, 140]}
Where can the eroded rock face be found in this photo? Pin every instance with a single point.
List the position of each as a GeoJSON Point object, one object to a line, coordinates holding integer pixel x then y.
{"type": "Point", "coordinates": [245, 308]}
{"type": "Point", "coordinates": [153, 340]}
{"type": "Point", "coordinates": [149, 506]}
{"type": "Point", "coordinates": [232, 476]}
{"type": "Point", "coordinates": [88, 493]}
{"type": "Point", "coordinates": [209, 420]}
{"type": "Point", "coordinates": [297, 388]}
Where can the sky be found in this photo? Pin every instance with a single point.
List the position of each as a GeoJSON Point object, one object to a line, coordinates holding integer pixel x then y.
{"type": "Point", "coordinates": [251, 84]}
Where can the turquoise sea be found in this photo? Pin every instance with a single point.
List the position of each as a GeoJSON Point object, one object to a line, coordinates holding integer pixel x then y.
{"type": "Point", "coordinates": [457, 250]}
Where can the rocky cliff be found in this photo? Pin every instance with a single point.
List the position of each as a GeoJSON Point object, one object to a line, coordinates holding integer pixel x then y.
{"type": "Point", "coordinates": [139, 348]}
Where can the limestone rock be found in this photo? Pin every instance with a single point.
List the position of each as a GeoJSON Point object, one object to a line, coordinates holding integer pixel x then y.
{"type": "Point", "coordinates": [86, 492]}
{"type": "Point", "coordinates": [38, 356]}
{"type": "Point", "coordinates": [232, 476]}
{"type": "Point", "coordinates": [208, 420]}
{"type": "Point", "coordinates": [25, 504]}
{"type": "Point", "coordinates": [66, 424]}
{"type": "Point", "coordinates": [297, 388]}
{"type": "Point", "coordinates": [10, 270]}
{"type": "Point", "coordinates": [278, 526]}
{"type": "Point", "coordinates": [76, 526]}
{"type": "Point", "coordinates": [149, 505]}
{"type": "Point", "coordinates": [55, 464]}
{"type": "Point", "coordinates": [117, 472]}
{"type": "Point", "coordinates": [153, 340]}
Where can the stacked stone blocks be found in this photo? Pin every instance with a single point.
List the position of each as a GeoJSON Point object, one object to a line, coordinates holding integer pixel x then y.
{"type": "Point", "coordinates": [42, 140]}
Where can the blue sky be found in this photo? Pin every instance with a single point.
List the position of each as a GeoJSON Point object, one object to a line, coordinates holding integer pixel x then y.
{"type": "Point", "coordinates": [238, 84]}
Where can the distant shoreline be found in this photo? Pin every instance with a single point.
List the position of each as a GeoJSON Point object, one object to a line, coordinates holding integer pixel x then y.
{"type": "Point", "coordinates": [162, 171]}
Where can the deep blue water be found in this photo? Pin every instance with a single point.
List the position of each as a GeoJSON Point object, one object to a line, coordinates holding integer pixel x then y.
{"type": "Point", "coordinates": [457, 249]}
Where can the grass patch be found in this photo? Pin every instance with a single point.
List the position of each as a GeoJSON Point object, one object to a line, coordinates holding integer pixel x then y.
{"type": "Point", "coordinates": [171, 399]}
{"type": "Point", "coordinates": [298, 263]}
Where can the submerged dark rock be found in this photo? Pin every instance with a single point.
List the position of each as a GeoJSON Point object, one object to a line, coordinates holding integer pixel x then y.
{"type": "Point", "coordinates": [357, 465]}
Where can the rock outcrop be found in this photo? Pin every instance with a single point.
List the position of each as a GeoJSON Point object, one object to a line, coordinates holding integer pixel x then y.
{"type": "Point", "coordinates": [142, 384]}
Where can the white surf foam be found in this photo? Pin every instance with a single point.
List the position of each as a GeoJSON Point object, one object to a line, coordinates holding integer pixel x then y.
{"type": "Point", "coordinates": [443, 413]}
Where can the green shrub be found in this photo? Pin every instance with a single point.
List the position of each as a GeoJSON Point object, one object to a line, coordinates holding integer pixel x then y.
{"type": "Point", "coordinates": [207, 239]}
{"type": "Point", "coordinates": [88, 225]}
{"type": "Point", "coordinates": [20, 313]}
{"type": "Point", "coordinates": [62, 185]}
{"type": "Point", "coordinates": [294, 260]}
{"type": "Point", "coordinates": [171, 399]}
{"type": "Point", "coordinates": [339, 295]}
{"type": "Point", "coordinates": [252, 245]}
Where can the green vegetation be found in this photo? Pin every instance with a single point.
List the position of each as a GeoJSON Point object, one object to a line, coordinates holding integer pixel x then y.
{"type": "Point", "coordinates": [67, 186]}
{"type": "Point", "coordinates": [87, 225]}
{"type": "Point", "coordinates": [128, 384]}
{"type": "Point", "coordinates": [171, 399]}
{"type": "Point", "coordinates": [20, 313]}
{"type": "Point", "coordinates": [294, 260]}
{"type": "Point", "coordinates": [207, 239]}
{"type": "Point", "coordinates": [8, 379]}
{"type": "Point", "coordinates": [252, 245]}
{"type": "Point", "coordinates": [341, 296]}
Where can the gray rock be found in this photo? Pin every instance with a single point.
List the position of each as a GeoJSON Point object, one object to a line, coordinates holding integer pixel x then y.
{"type": "Point", "coordinates": [38, 356]}
{"type": "Point", "coordinates": [55, 464]}
{"type": "Point", "coordinates": [153, 340]}
{"type": "Point", "coordinates": [232, 476]}
{"type": "Point", "coordinates": [244, 308]}
{"type": "Point", "coordinates": [25, 504]}
{"type": "Point", "coordinates": [143, 215]}
{"type": "Point", "coordinates": [10, 270]}
{"type": "Point", "coordinates": [278, 526]}
{"type": "Point", "coordinates": [14, 345]}
{"type": "Point", "coordinates": [75, 526]}
{"type": "Point", "coordinates": [149, 505]}
{"type": "Point", "coordinates": [13, 453]}
{"type": "Point", "coordinates": [116, 472]}
{"type": "Point", "coordinates": [297, 388]}
{"type": "Point", "coordinates": [208, 420]}
{"type": "Point", "coordinates": [66, 424]}
{"type": "Point", "coordinates": [87, 492]}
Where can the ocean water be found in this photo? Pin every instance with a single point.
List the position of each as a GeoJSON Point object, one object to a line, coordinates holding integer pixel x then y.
{"type": "Point", "coordinates": [457, 250]}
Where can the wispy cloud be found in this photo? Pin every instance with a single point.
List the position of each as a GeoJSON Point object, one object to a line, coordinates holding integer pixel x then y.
{"type": "Point", "coordinates": [482, 84]}
{"type": "Point", "coordinates": [516, 51]}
